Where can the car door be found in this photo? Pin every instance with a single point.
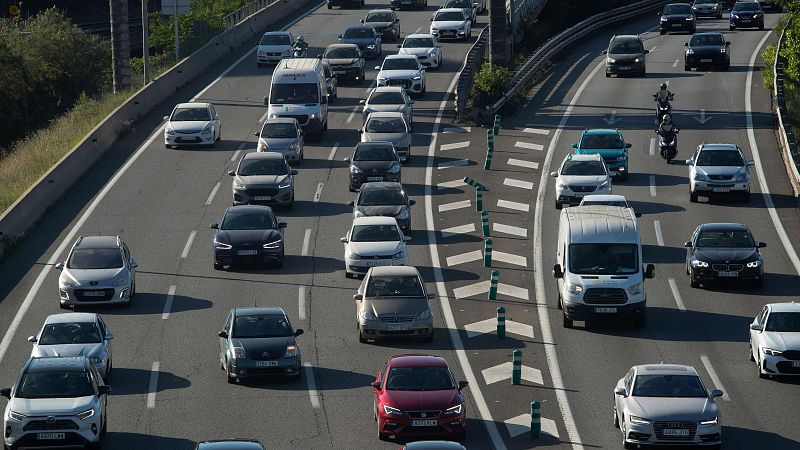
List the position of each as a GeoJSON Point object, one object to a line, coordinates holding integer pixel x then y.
{"type": "Point", "coordinates": [362, 289]}
{"type": "Point", "coordinates": [215, 119]}
{"type": "Point", "coordinates": [223, 342]}
{"type": "Point", "coordinates": [408, 110]}
{"type": "Point", "coordinates": [101, 400]}
{"type": "Point", "coordinates": [105, 335]}
{"type": "Point", "coordinates": [300, 137]}
{"type": "Point", "coordinates": [756, 339]}
{"type": "Point", "coordinates": [129, 261]}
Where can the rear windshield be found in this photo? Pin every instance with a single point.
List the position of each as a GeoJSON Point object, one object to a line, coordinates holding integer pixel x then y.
{"type": "Point", "coordinates": [387, 98]}
{"type": "Point", "coordinates": [190, 114]}
{"type": "Point", "coordinates": [418, 43]}
{"type": "Point", "coordinates": [278, 130]}
{"type": "Point", "coordinates": [377, 197]}
{"type": "Point", "coordinates": [342, 53]}
{"type": "Point", "coordinates": [396, 286]}
{"type": "Point", "coordinates": [375, 233]}
{"type": "Point", "coordinates": [602, 142]}
{"type": "Point", "coordinates": [707, 39]}
{"type": "Point", "coordinates": [250, 167]}
{"type": "Point", "coordinates": [359, 33]}
{"type": "Point", "coordinates": [95, 258]}
{"type": "Point", "coordinates": [400, 64]}
{"type": "Point", "coordinates": [276, 39]}
{"type": "Point", "coordinates": [375, 153]}
{"type": "Point", "coordinates": [248, 220]}
{"type": "Point", "coordinates": [69, 333]}
{"type": "Point", "coordinates": [678, 9]}
{"type": "Point", "coordinates": [385, 125]}
{"type": "Point", "coordinates": [449, 16]}
{"type": "Point", "coordinates": [294, 93]}
{"type": "Point", "coordinates": [55, 384]}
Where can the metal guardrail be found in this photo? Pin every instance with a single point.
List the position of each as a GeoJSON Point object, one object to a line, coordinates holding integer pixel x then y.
{"type": "Point", "coordinates": [236, 17]}
{"type": "Point", "coordinates": [565, 39]}
{"type": "Point", "coordinates": [786, 137]}
{"type": "Point", "coordinates": [466, 76]}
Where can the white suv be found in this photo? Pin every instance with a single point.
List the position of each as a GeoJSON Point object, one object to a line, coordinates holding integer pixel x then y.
{"type": "Point", "coordinates": [719, 169]}
{"type": "Point", "coordinates": [402, 70]}
{"type": "Point", "coordinates": [581, 175]}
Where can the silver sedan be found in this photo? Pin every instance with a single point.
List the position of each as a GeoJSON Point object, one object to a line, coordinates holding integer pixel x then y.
{"type": "Point", "coordinates": [75, 334]}
{"type": "Point", "coordinates": [389, 99]}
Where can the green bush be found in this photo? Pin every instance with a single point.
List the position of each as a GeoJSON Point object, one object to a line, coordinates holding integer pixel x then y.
{"type": "Point", "coordinates": [489, 85]}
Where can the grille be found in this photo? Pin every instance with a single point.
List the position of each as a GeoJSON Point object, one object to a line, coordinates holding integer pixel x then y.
{"type": "Point", "coordinates": [396, 319]}
{"type": "Point", "coordinates": [376, 257]}
{"type": "Point", "coordinates": [187, 131]}
{"type": "Point", "coordinates": [37, 425]}
{"type": "Point", "coordinates": [81, 294]}
{"type": "Point", "coordinates": [423, 414]}
{"type": "Point", "coordinates": [720, 177]}
{"type": "Point", "coordinates": [259, 192]}
{"type": "Point", "coordinates": [727, 267]}
{"type": "Point", "coordinates": [794, 355]}
{"type": "Point", "coordinates": [606, 296]}
{"type": "Point", "coordinates": [274, 54]}
{"type": "Point", "coordinates": [579, 188]}
{"type": "Point", "coordinates": [263, 356]}
{"type": "Point", "coordinates": [405, 83]}
{"type": "Point", "coordinates": [659, 428]}
{"type": "Point", "coordinates": [786, 367]}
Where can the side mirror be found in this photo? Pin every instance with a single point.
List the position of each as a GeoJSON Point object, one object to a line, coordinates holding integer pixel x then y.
{"type": "Point", "coordinates": [750, 162]}
{"type": "Point", "coordinates": [214, 226]}
{"type": "Point", "coordinates": [430, 20]}
{"type": "Point", "coordinates": [637, 214]}
{"type": "Point", "coordinates": [360, 130]}
{"type": "Point", "coordinates": [256, 134]}
{"type": "Point", "coordinates": [298, 332]}
{"type": "Point", "coordinates": [650, 271]}
{"type": "Point", "coordinates": [362, 20]}
{"type": "Point", "coordinates": [343, 239]}
{"type": "Point", "coordinates": [59, 266]}
{"type": "Point", "coordinates": [362, 102]}
{"type": "Point", "coordinates": [462, 384]}
{"type": "Point", "coordinates": [646, 51]}
{"type": "Point", "coordinates": [377, 67]}
{"type": "Point", "coordinates": [294, 172]}
{"type": "Point", "coordinates": [340, 36]}
{"type": "Point", "coordinates": [412, 202]}
{"type": "Point", "coordinates": [554, 174]}
{"type": "Point", "coordinates": [411, 102]}
{"type": "Point", "coordinates": [346, 159]}
{"type": "Point", "coordinates": [399, 45]}
{"type": "Point", "coordinates": [166, 118]}
{"type": "Point", "coordinates": [604, 52]}
{"type": "Point", "coordinates": [406, 238]}
{"type": "Point", "coordinates": [134, 264]}
{"type": "Point", "coordinates": [281, 224]}
{"type": "Point", "coordinates": [687, 244]}
{"type": "Point", "coordinates": [574, 145]}
{"type": "Point", "coordinates": [351, 203]}
{"type": "Point", "coordinates": [223, 334]}
{"type": "Point", "coordinates": [303, 133]}
{"type": "Point", "coordinates": [727, 43]}
{"type": "Point", "coordinates": [557, 271]}
{"type": "Point", "coordinates": [689, 162]}
{"type": "Point", "coordinates": [358, 297]}
{"type": "Point", "coordinates": [716, 393]}
{"type": "Point", "coordinates": [231, 172]}
{"type": "Point", "coordinates": [108, 336]}
{"type": "Point", "coordinates": [755, 326]}
{"type": "Point", "coordinates": [397, 20]}
{"type": "Point", "coordinates": [376, 385]}
{"type": "Point", "coordinates": [32, 339]}
{"type": "Point", "coordinates": [6, 392]}
{"type": "Point", "coordinates": [628, 145]}
{"type": "Point", "coordinates": [431, 296]}
{"type": "Point", "coordinates": [266, 100]}
{"type": "Point", "coordinates": [620, 391]}
{"type": "Point", "coordinates": [762, 244]}
{"type": "Point", "coordinates": [103, 389]}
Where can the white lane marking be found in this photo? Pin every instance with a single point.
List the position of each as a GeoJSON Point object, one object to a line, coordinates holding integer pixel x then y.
{"type": "Point", "coordinates": [306, 241]}
{"type": "Point", "coordinates": [522, 163]}
{"type": "Point", "coordinates": [675, 64]}
{"type": "Point", "coordinates": [536, 131]}
{"type": "Point", "coordinates": [528, 145]}
{"type": "Point", "coordinates": [353, 114]}
{"type": "Point", "coordinates": [521, 424]}
{"type": "Point", "coordinates": [451, 184]}
{"type": "Point", "coordinates": [454, 146]}
{"type": "Point", "coordinates": [417, 30]}
{"type": "Point", "coordinates": [652, 185]}
{"type": "Point", "coordinates": [312, 385]}
{"type": "Point", "coordinates": [188, 245]}
{"type": "Point", "coordinates": [490, 326]}
{"type": "Point", "coordinates": [482, 287]}
{"type": "Point", "coordinates": [301, 302]}
{"type": "Point", "coordinates": [509, 258]}
{"type": "Point", "coordinates": [454, 163]}
{"type": "Point", "coordinates": [168, 302]}
{"type": "Point", "coordinates": [659, 235]}
{"type": "Point", "coordinates": [332, 154]}
{"type": "Point", "coordinates": [151, 391]}
{"type": "Point", "coordinates": [464, 258]}
{"type": "Point", "coordinates": [518, 183]}
{"type": "Point", "coordinates": [513, 205]}
{"type": "Point", "coordinates": [655, 47]}
{"type": "Point", "coordinates": [512, 291]}
{"type": "Point", "coordinates": [318, 193]}
{"type": "Point", "coordinates": [652, 146]}
{"type": "Point", "coordinates": [502, 372]}
{"type": "Point", "coordinates": [444, 301]}
{"type": "Point", "coordinates": [455, 205]}
{"type": "Point", "coordinates": [461, 229]}
{"type": "Point", "coordinates": [509, 229]}
{"type": "Point", "coordinates": [213, 193]}
{"type": "Point", "coordinates": [762, 179]}
{"type": "Point", "coordinates": [542, 306]}
{"type": "Point", "coordinates": [676, 294]}
{"type": "Point", "coordinates": [714, 378]}
{"type": "Point", "coordinates": [238, 151]}
{"type": "Point", "coordinates": [263, 117]}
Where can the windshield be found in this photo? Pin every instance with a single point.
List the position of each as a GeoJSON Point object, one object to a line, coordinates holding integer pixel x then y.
{"type": "Point", "coordinates": [263, 167]}
{"type": "Point", "coordinates": [69, 333]}
{"type": "Point", "coordinates": [400, 64]}
{"type": "Point", "coordinates": [450, 16]}
{"type": "Point", "coordinates": [746, 6]}
{"type": "Point", "coordinates": [248, 220]}
{"type": "Point", "coordinates": [268, 326]}
{"type": "Point", "coordinates": [54, 385]}
{"type": "Point", "coordinates": [728, 239]}
{"type": "Point", "coordinates": [583, 168]}
{"type": "Point", "coordinates": [294, 93]}
{"type": "Point", "coordinates": [458, 4]}
{"type": "Point", "coordinates": [668, 386]}
{"type": "Point", "coordinates": [602, 141]}
{"type": "Point", "coordinates": [342, 53]}
{"type": "Point", "coordinates": [788, 322]}
{"type": "Point", "coordinates": [395, 286]}
{"type": "Point", "coordinates": [603, 259]}
{"type": "Point", "coordinates": [706, 2]}
{"type": "Point", "coordinates": [677, 9]}
{"type": "Point", "coordinates": [190, 114]}
{"type": "Point", "coordinates": [95, 258]}
{"type": "Point", "coordinates": [719, 158]}
{"type": "Point", "coordinates": [379, 17]}
{"type": "Point", "coordinates": [418, 43]}
{"type": "Point", "coordinates": [434, 378]}
{"type": "Point", "coordinates": [625, 47]}
{"type": "Point", "coordinates": [375, 153]}
{"type": "Point", "coordinates": [375, 197]}
{"type": "Point", "coordinates": [359, 33]}
{"type": "Point", "coordinates": [621, 203]}
{"type": "Point", "coordinates": [385, 125]}
{"type": "Point", "coordinates": [374, 233]}
{"type": "Point", "coordinates": [707, 39]}
{"type": "Point", "coordinates": [279, 130]}
{"type": "Point", "coordinates": [387, 98]}
{"type": "Point", "coordinates": [276, 39]}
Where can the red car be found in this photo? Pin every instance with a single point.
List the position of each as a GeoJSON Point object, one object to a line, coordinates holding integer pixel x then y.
{"type": "Point", "coordinates": [417, 396]}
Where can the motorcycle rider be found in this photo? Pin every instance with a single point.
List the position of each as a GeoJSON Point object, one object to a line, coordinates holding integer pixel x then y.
{"type": "Point", "coordinates": [662, 98]}
{"type": "Point", "coordinates": [667, 130]}
{"type": "Point", "coordinates": [300, 45]}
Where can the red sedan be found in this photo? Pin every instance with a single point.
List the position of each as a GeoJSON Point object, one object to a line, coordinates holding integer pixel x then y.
{"type": "Point", "coordinates": [417, 396]}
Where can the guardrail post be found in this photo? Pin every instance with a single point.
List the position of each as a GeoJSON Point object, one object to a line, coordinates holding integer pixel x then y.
{"type": "Point", "coordinates": [536, 420]}
{"type": "Point", "coordinates": [487, 257]}
{"type": "Point", "coordinates": [493, 285]}
{"type": "Point", "coordinates": [485, 223]}
{"type": "Point", "coordinates": [478, 198]}
{"type": "Point", "coordinates": [501, 322]}
{"type": "Point", "coordinates": [516, 368]}
{"type": "Point", "coordinates": [497, 118]}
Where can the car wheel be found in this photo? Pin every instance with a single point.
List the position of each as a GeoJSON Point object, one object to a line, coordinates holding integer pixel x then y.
{"type": "Point", "coordinates": [567, 322]}
{"type": "Point", "coordinates": [624, 176]}
{"type": "Point", "coordinates": [428, 338]}
{"type": "Point", "coordinates": [751, 352]}
{"type": "Point", "coordinates": [558, 205]}
{"type": "Point", "coordinates": [104, 430]}
{"type": "Point", "coordinates": [693, 282]}
{"type": "Point", "coordinates": [629, 445]}
{"type": "Point", "coordinates": [329, 6]}
{"type": "Point", "coordinates": [746, 196]}
{"type": "Point", "coordinates": [761, 27]}
{"type": "Point", "coordinates": [727, 66]}
{"type": "Point", "coordinates": [108, 371]}
{"type": "Point", "coordinates": [361, 338]}
{"type": "Point", "coordinates": [94, 446]}
{"type": "Point", "coordinates": [758, 370]}
{"type": "Point", "coordinates": [732, 28]}
{"type": "Point", "coordinates": [608, 75]}
{"type": "Point", "coordinates": [63, 305]}
{"type": "Point", "coordinates": [218, 266]}
{"type": "Point", "coordinates": [640, 321]}
{"type": "Point", "coordinates": [693, 197]}
{"type": "Point", "coordinates": [231, 380]}
{"type": "Point", "coordinates": [616, 419]}
{"type": "Point", "coordinates": [687, 68]}
{"type": "Point", "coordinates": [279, 263]}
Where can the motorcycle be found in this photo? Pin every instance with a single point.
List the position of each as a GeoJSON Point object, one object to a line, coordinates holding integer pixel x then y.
{"type": "Point", "coordinates": [663, 107]}
{"type": "Point", "coordinates": [668, 144]}
{"type": "Point", "coordinates": [298, 52]}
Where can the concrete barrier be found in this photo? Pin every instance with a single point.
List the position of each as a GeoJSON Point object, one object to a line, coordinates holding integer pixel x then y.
{"type": "Point", "coordinates": [29, 209]}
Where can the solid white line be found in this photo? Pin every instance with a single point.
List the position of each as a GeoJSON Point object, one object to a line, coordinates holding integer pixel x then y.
{"type": "Point", "coordinates": [451, 184]}
{"type": "Point", "coordinates": [301, 302]}
{"type": "Point", "coordinates": [713, 374]}
{"type": "Point", "coordinates": [332, 154]}
{"type": "Point", "coordinates": [508, 229]}
{"type": "Point", "coordinates": [652, 146]}
{"type": "Point", "coordinates": [518, 183]}
{"type": "Point", "coordinates": [213, 193]}
{"type": "Point", "coordinates": [513, 205]}
{"type": "Point", "coordinates": [762, 179]}
{"type": "Point", "coordinates": [188, 245]}
{"type": "Point", "coordinates": [306, 241]}
{"type": "Point", "coordinates": [461, 229]}
{"type": "Point", "coordinates": [659, 235]}
{"type": "Point", "coordinates": [675, 64]}
{"type": "Point", "coordinates": [454, 146]}
{"type": "Point", "coordinates": [522, 163]}
{"type": "Point", "coordinates": [454, 163]}
{"type": "Point", "coordinates": [168, 302]}
{"type": "Point", "coordinates": [444, 301]}
{"type": "Point", "coordinates": [318, 194]}
{"type": "Point", "coordinates": [312, 385]}
{"type": "Point", "coordinates": [529, 145]}
{"type": "Point", "coordinates": [652, 185]}
{"type": "Point", "coordinates": [455, 260]}
{"type": "Point", "coordinates": [536, 131]}
{"type": "Point", "coordinates": [676, 294]}
{"type": "Point", "coordinates": [151, 392]}
{"type": "Point", "coordinates": [353, 114]}
{"type": "Point", "coordinates": [455, 205]}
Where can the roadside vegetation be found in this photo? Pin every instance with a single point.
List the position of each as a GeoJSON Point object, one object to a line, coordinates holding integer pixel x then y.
{"type": "Point", "coordinates": [791, 51]}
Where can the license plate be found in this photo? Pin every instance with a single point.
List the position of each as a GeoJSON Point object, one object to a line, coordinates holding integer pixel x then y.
{"type": "Point", "coordinates": [187, 139]}
{"type": "Point", "coordinates": [706, 60]}
{"type": "Point", "coordinates": [94, 293]}
{"type": "Point", "coordinates": [397, 327]}
{"type": "Point", "coordinates": [378, 262]}
{"type": "Point", "coordinates": [669, 432]}
{"type": "Point", "coordinates": [374, 178]}
{"type": "Point", "coordinates": [423, 423]}
{"type": "Point", "coordinates": [676, 25]}
{"type": "Point", "coordinates": [795, 363]}
{"type": "Point", "coordinates": [340, 72]}
{"type": "Point", "coordinates": [624, 68]}
{"type": "Point", "coordinates": [721, 189]}
{"type": "Point", "coordinates": [728, 274]}
{"type": "Point", "coordinates": [266, 363]}
{"type": "Point", "coordinates": [49, 436]}
{"type": "Point", "coordinates": [605, 310]}
{"type": "Point", "coordinates": [262, 198]}
{"type": "Point", "coordinates": [247, 252]}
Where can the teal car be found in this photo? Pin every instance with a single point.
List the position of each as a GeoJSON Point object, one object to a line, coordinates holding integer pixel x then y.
{"type": "Point", "coordinates": [610, 145]}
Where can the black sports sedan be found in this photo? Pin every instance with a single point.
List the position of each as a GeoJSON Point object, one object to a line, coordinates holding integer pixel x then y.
{"type": "Point", "coordinates": [248, 234]}
{"type": "Point", "coordinates": [724, 252]}
{"type": "Point", "coordinates": [384, 199]}
{"type": "Point", "coordinates": [746, 15]}
{"type": "Point", "coordinates": [373, 161]}
{"type": "Point", "coordinates": [707, 49]}
{"type": "Point", "coordinates": [678, 17]}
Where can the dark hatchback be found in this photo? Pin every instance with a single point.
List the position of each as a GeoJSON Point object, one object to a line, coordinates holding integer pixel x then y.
{"type": "Point", "coordinates": [373, 161]}
{"type": "Point", "coordinates": [707, 49]}
{"type": "Point", "coordinates": [384, 199]}
{"type": "Point", "coordinates": [678, 17]}
{"type": "Point", "coordinates": [248, 234]}
{"type": "Point", "coordinates": [408, 4]}
{"type": "Point", "coordinates": [230, 444]}
{"type": "Point", "coordinates": [724, 252]}
{"type": "Point", "coordinates": [770, 5]}
{"type": "Point", "coordinates": [385, 23]}
{"type": "Point", "coordinates": [365, 38]}
{"type": "Point", "coordinates": [626, 55]}
{"type": "Point", "coordinates": [747, 15]}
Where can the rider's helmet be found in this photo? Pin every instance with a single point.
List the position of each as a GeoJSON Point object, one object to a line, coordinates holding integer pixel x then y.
{"type": "Point", "coordinates": [667, 119]}
{"type": "Point", "coordinates": [663, 86]}
{"type": "Point", "coordinates": [302, 39]}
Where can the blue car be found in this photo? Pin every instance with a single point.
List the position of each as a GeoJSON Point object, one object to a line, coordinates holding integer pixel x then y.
{"type": "Point", "coordinates": [365, 38]}
{"type": "Point", "coordinates": [610, 145]}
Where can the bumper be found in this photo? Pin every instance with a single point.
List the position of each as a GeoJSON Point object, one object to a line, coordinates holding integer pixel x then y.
{"type": "Point", "coordinates": [400, 4]}
{"type": "Point", "coordinates": [627, 311]}
{"type": "Point", "coordinates": [705, 435]}
{"type": "Point", "coordinates": [412, 86]}
{"type": "Point", "coordinates": [351, 73]}
{"type": "Point", "coordinates": [709, 275]}
{"type": "Point", "coordinates": [778, 365]}
{"type": "Point", "coordinates": [71, 296]}
{"type": "Point", "coordinates": [289, 155]}
{"type": "Point", "coordinates": [357, 179]}
{"type": "Point", "coordinates": [707, 189]}
{"type": "Point", "coordinates": [621, 69]}
{"type": "Point", "coordinates": [88, 432]}
{"type": "Point", "coordinates": [281, 197]}
{"type": "Point", "coordinates": [745, 23]}
{"type": "Point", "coordinates": [181, 140]}
{"type": "Point", "coordinates": [232, 257]}
{"type": "Point", "coordinates": [621, 167]}
{"type": "Point", "coordinates": [402, 427]}
{"type": "Point", "coordinates": [708, 13]}
{"type": "Point", "coordinates": [672, 27]}
{"type": "Point", "coordinates": [428, 61]}
{"type": "Point", "coordinates": [271, 59]}
{"type": "Point", "coordinates": [248, 368]}
{"type": "Point", "coordinates": [361, 266]}
{"type": "Point", "coordinates": [706, 60]}
{"type": "Point", "coordinates": [449, 34]}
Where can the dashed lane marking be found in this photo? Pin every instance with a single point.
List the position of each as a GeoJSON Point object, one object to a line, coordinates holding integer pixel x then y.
{"type": "Point", "coordinates": [213, 193]}
{"type": "Point", "coordinates": [715, 378]}
{"type": "Point", "coordinates": [517, 426]}
{"type": "Point", "coordinates": [659, 236]}
{"type": "Point", "coordinates": [464, 258]}
{"type": "Point", "coordinates": [188, 245]}
{"type": "Point", "coordinates": [301, 302]}
{"type": "Point", "coordinates": [502, 372]}
{"type": "Point", "coordinates": [676, 294]}
{"type": "Point", "coordinates": [263, 117]}
{"type": "Point", "coordinates": [652, 185]}
{"type": "Point", "coordinates": [151, 391]}
{"type": "Point", "coordinates": [312, 385]}
{"type": "Point", "coordinates": [168, 302]}
{"type": "Point", "coordinates": [482, 287]}
{"type": "Point", "coordinates": [522, 163]}
{"type": "Point", "coordinates": [490, 326]}
{"type": "Point", "coordinates": [461, 229]}
{"type": "Point", "coordinates": [454, 163]}
{"type": "Point", "coordinates": [451, 184]}
{"type": "Point", "coordinates": [652, 146]}
{"type": "Point", "coordinates": [510, 258]}
{"type": "Point", "coordinates": [306, 242]}
{"type": "Point", "coordinates": [536, 131]}
{"type": "Point", "coordinates": [518, 183]}
{"type": "Point", "coordinates": [455, 205]}
{"type": "Point", "coordinates": [513, 205]}
{"type": "Point", "coordinates": [509, 229]}
{"type": "Point", "coordinates": [675, 64]}
{"type": "Point", "coordinates": [353, 113]}
{"type": "Point", "coordinates": [454, 146]}
{"type": "Point", "coordinates": [318, 193]}
{"type": "Point", "coordinates": [332, 154]}
{"type": "Point", "coordinates": [529, 145]}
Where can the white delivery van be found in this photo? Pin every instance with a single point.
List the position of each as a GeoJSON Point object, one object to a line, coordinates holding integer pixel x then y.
{"type": "Point", "coordinates": [598, 267]}
{"type": "Point", "coordinates": [298, 91]}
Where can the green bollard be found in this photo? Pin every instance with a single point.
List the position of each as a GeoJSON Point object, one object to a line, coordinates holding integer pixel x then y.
{"type": "Point", "coordinates": [487, 259]}
{"type": "Point", "coordinates": [490, 140]}
{"type": "Point", "coordinates": [485, 223]}
{"type": "Point", "coordinates": [474, 183]}
{"type": "Point", "coordinates": [487, 164]}
{"type": "Point", "coordinates": [478, 199]}
{"type": "Point", "coordinates": [536, 420]}
{"type": "Point", "coordinates": [516, 368]}
{"type": "Point", "coordinates": [493, 285]}
{"type": "Point", "coordinates": [497, 124]}
{"type": "Point", "coordinates": [501, 322]}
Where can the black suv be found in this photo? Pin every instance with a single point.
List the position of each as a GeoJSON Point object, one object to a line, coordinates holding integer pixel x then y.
{"type": "Point", "coordinates": [707, 49]}
{"type": "Point", "coordinates": [747, 15]}
{"type": "Point", "coordinates": [678, 17]}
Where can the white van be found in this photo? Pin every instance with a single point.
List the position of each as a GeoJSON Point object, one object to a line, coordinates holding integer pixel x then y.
{"type": "Point", "coordinates": [298, 91]}
{"type": "Point", "coordinates": [598, 267]}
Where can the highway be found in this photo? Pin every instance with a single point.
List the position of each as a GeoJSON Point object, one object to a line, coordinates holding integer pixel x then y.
{"type": "Point", "coordinates": [168, 389]}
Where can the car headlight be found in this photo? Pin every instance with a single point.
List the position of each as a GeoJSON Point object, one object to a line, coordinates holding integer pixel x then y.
{"type": "Point", "coordinates": [274, 245]}
{"type": "Point", "coordinates": [638, 420]}
{"type": "Point", "coordinates": [238, 185]}
{"type": "Point", "coordinates": [382, 78]}
{"type": "Point", "coordinates": [734, 16]}
{"type": "Point", "coordinates": [561, 185]}
{"type": "Point", "coordinates": [603, 185]}
{"type": "Point", "coordinates": [285, 183]}
{"type": "Point", "coordinates": [772, 352]}
{"type": "Point", "coordinates": [432, 54]}
{"type": "Point", "coordinates": [16, 416]}
{"type": "Point", "coordinates": [221, 245]}
{"type": "Point", "coordinates": [371, 46]}
{"type": "Point", "coordinates": [742, 177]}
{"type": "Point", "coordinates": [239, 353]}
{"type": "Point", "coordinates": [85, 414]}
{"type": "Point", "coordinates": [367, 314]}
{"type": "Point", "coordinates": [637, 60]}
{"type": "Point", "coordinates": [398, 255]}
{"type": "Point", "coordinates": [121, 281]}
{"type": "Point", "coordinates": [690, 52]}
{"type": "Point", "coordinates": [64, 282]}
{"type": "Point", "coordinates": [690, 19]}
{"type": "Point", "coordinates": [355, 169]}
{"type": "Point", "coordinates": [395, 168]}
{"type": "Point", "coordinates": [354, 256]}
{"type": "Point", "coordinates": [291, 351]}
{"type": "Point", "coordinates": [574, 288]}
{"type": "Point", "coordinates": [95, 359]}
{"type": "Point", "coordinates": [273, 116]}
{"type": "Point", "coordinates": [611, 60]}
{"type": "Point", "coordinates": [403, 214]}
{"type": "Point", "coordinates": [663, 19]}
{"type": "Point", "coordinates": [358, 213]}
{"type": "Point", "coordinates": [392, 411]}
{"type": "Point", "coordinates": [698, 263]}
{"type": "Point", "coordinates": [700, 177]}
{"type": "Point", "coordinates": [416, 78]}
{"type": "Point", "coordinates": [424, 315]}
{"type": "Point", "coordinates": [207, 129]}
{"type": "Point", "coordinates": [453, 410]}
{"type": "Point", "coordinates": [755, 16]}
{"type": "Point", "coordinates": [754, 264]}
{"type": "Point", "coordinates": [636, 289]}
{"type": "Point", "coordinates": [434, 30]}
{"type": "Point", "coordinates": [710, 421]}
{"type": "Point", "coordinates": [170, 131]}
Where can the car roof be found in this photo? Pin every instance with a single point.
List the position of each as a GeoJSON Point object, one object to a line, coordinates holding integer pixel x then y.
{"type": "Point", "coordinates": [584, 157]}
{"type": "Point", "coordinates": [230, 444]}
{"type": "Point", "coordinates": [708, 33]}
{"type": "Point", "coordinates": [380, 10]}
{"type": "Point", "coordinates": [192, 105]}
{"type": "Point", "coordinates": [258, 311]}
{"type": "Point", "coordinates": [605, 198]}
{"type": "Point", "coordinates": [626, 37]}
{"type": "Point", "coordinates": [388, 185]}
{"type": "Point", "coordinates": [263, 155]}
{"type": "Point", "coordinates": [600, 132]}
{"type": "Point", "coordinates": [721, 226]}
{"type": "Point", "coordinates": [671, 4]}
{"type": "Point", "coordinates": [719, 147]}
{"type": "Point", "coordinates": [416, 360]}
{"type": "Point", "coordinates": [360, 27]}
{"type": "Point", "coordinates": [387, 114]}
{"type": "Point", "coordinates": [71, 318]}
{"type": "Point", "coordinates": [98, 242]}
{"type": "Point", "coordinates": [376, 144]}
{"type": "Point", "coordinates": [254, 208]}
{"type": "Point", "coordinates": [434, 445]}
{"type": "Point", "coordinates": [277, 32]}
{"type": "Point", "coordinates": [461, 10]}
{"type": "Point", "coordinates": [342, 46]}
{"type": "Point", "coordinates": [398, 56]}
{"type": "Point", "coordinates": [388, 89]}
{"type": "Point", "coordinates": [599, 223]}
{"type": "Point", "coordinates": [64, 363]}
{"type": "Point", "coordinates": [389, 271]}
{"type": "Point", "coordinates": [784, 307]}
{"type": "Point", "coordinates": [665, 369]}
{"type": "Point", "coordinates": [420, 35]}
{"type": "Point", "coordinates": [280, 119]}
{"type": "Point", "coordinates": [375, 220]}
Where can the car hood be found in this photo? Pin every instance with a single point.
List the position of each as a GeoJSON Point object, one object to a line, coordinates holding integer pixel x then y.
{"type": "Point", "coordinates": [276, 144]}
{"type": "Point", "coordinates": [582, 179]}
{"type": "Point", "coordinates": [50, 406]}
{"type": "Point", "coordinates": [373, 165]}
{"type": "Point", "coordinates": [405, 74]}
{"type": "Point", "coordinates": [421, 51]}
{"type": "Point", "coordinates": [342, 61]}
{"type": "Point", "coordinates": [782, 341]}
{"type": "Point", "coordinates": [380, 210]}
{"type": "Point", "coordinates": [384, 108]}
{"type": "Point", "coordinates": [256, 181]}
{"type": "Point", "coordinates": [401, 306]}
{"type": "Point", "coordinates": [361, 42]}
{"type": "Point", "coordinates": [256, 345]}
{"type": "Point", "coordinates": [378, 25]}
{"type": "Point", "coordinates": [676, 16]}
{"type": "Point", "coordinates": [668, 408]}
{"type": "Point", "coordinates": [725, 254]}
{"type": "Point", "coordinates": [68, 350]}
{"type": "Point", "coordinates": [448, 24]}
{"type": "Point", "coordinates": [423, 400]}
{"type": "Point", "coordinates": [375, 248]}
{"type": "Point", "coordinates": [189, 125]}
{"type": "Point", "coordinates": [87, 276]}
{"type": "Point", "coordinates": [719, 170]}
{"type": "Point", "coordinates": [254, 237]}
{"type": "Point", "coordinates": [706, 49]}
{"type": "Point", "coordinates": [398, 139]}
{"type": "Point", "coordinates": [274, 48]}
{"type": "Point", "coordinates": [605, 153]}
